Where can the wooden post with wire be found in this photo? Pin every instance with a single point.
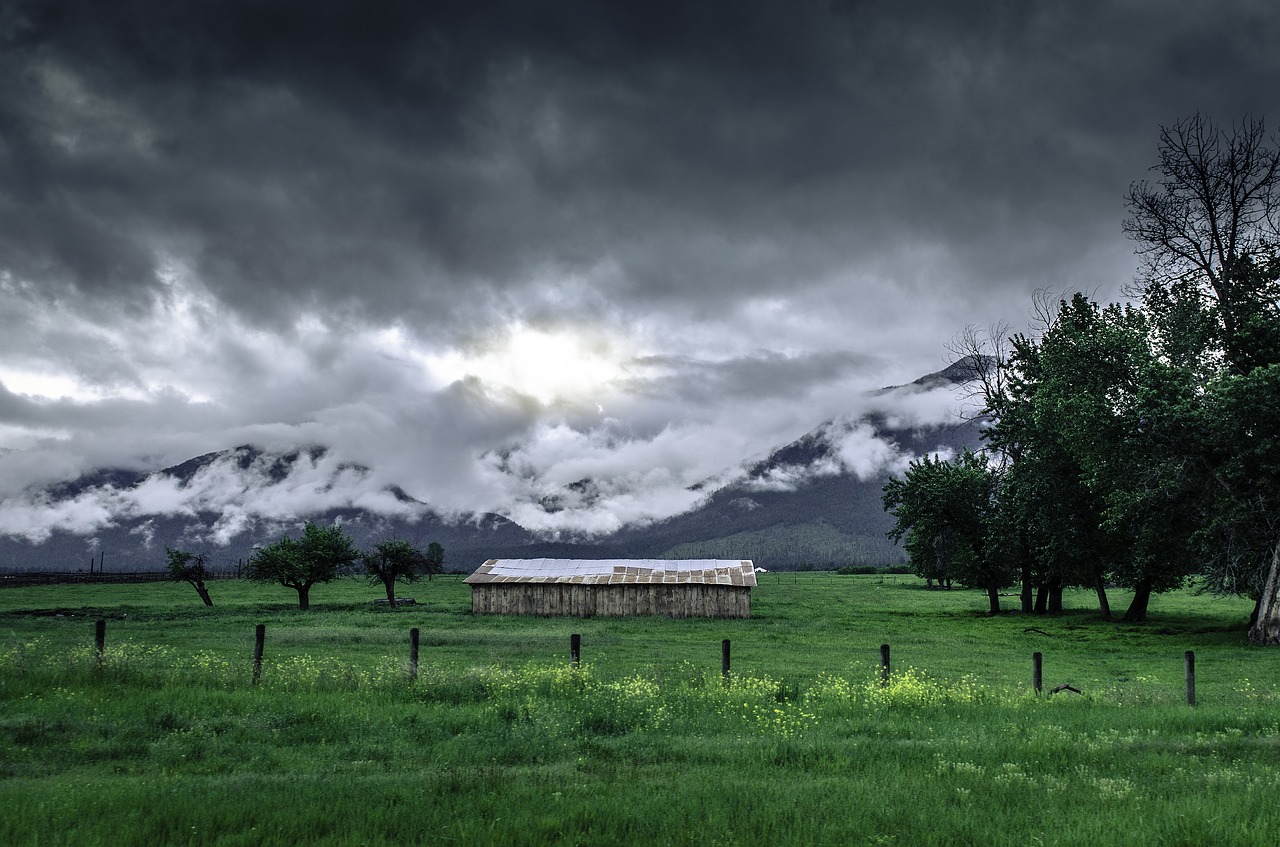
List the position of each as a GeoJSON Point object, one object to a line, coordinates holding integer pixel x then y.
{"type": "Point", "coordinates": [413, 654]}
{"type": "Point", "coordinates": [1190, 663]}
{"type": "Point", "coordinates": [259, 637]}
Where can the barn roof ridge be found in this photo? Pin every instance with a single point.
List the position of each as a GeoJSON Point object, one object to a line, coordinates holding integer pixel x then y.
{"type": "Point", "coordinates": [735, 572]}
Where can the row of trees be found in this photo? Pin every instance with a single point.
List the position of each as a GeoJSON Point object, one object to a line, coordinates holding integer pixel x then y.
{"type": "Point", "coordinates": [320, 555]}
{"type": "Point", "coordinates": [1133, 444]}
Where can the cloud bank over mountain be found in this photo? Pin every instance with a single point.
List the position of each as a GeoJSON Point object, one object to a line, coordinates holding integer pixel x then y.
{"type": "Point", "coordinates": [560, 483]}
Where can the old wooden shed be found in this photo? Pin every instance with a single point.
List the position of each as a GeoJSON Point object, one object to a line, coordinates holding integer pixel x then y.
{"type": "Point", "coordinates": [678, 588]}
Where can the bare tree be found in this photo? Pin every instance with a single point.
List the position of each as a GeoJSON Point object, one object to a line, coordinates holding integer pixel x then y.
{"type": "Point", "coordinates": [982, 357]}
{"type": "Point", "coordinates": [1215, 207]}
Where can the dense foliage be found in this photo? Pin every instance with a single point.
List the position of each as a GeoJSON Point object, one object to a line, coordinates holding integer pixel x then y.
{"type": "Point", "coordinates": [1135, 444]}
{"type": "Point", "coordinates": [944, 510]}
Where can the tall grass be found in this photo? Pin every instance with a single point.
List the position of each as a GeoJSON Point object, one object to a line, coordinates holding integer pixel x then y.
{"type": "Point", "coordinates": [166, 740]}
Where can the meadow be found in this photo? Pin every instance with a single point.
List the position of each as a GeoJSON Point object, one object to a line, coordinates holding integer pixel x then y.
{"type": "Point", "coordinates": [165, 739]}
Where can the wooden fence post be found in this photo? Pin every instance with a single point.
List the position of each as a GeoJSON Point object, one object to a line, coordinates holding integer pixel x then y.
{"type": "Point", "coordinates": [884, 664]}
{"type": "Point", "coordinates": [1037, 672]}
{"type": "Point", "coordinates": [100, 637]}
{"type": "Point", "coordinates": [413, 654]}
{"type": "Point", "coordinates": [259, 636]}
{"type": "Point", "coordinates": [575, 649]}
{"type": "Point", "coordinates": [1191, 678]}
{"type": "Point", "coordinates": [724, 659]}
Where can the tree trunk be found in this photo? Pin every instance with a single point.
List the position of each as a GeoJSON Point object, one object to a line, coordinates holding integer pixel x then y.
{"type": "Point", "coordinates": [993, 596]}
{"type": "Point", "coordinates": [1042, 598]}
{"type": "Point", "coordinates": [1026, 596]}
{"type": "Point", "coordinates": [1104, 607]}
{"type": "Point", "coordinates": [1055, 599]}
{"type": "Point", "coordinates": [391, 592]}
{"type": "Point", "coordinates": [1137, 612]}
{"type": "Point", "coordinates": [304, 598]}
{"type": "Point", "coordinates": [204, 593]}
{"type": "Point", "coordinates": [1266, 628]}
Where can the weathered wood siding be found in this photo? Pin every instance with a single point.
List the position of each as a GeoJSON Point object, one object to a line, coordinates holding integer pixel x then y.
{"type": "Point", "coordinates": [584, 601]}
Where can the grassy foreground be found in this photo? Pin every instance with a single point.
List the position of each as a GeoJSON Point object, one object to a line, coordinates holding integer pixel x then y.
{"type": "Point", "coordinates": [165, 740]}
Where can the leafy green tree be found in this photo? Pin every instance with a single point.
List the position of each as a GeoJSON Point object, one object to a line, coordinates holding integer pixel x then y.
{"type": "Point", "coordinates": [191, 568]}
{"type": "Point", "coordinates": [434, 559]}
{"type": "Point", "coordinates": [1053, 524]}
{"type": "Point", "coordinates": [943, 510]}
{"type": "Point", "coordinates": [1126, 412]}
{"type": "Point", "coordinates": [391, 562]}
{"type": "Point", "coordinates": [320, 555]}
{"type": "Point", "coordinates": [1046, 521]}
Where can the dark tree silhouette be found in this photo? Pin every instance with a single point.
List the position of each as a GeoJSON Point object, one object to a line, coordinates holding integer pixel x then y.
{"type": "Point", "coordinates": [189, 567]}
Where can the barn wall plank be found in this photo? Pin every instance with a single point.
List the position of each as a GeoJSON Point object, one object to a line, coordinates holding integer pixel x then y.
{"type": "Point", "coordinates": [579, 600]}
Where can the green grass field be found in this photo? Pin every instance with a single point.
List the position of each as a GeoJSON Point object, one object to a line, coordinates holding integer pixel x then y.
{"type": "Point", "coordinates": [165, 740]}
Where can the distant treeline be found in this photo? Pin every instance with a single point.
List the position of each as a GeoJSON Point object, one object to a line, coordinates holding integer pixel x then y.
{"type": "Point", "coordinates": [10, 578]}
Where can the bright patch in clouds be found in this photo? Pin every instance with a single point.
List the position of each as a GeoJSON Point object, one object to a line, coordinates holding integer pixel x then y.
{"type": "Point", "coordinates": [549, 366]}
{"type": "Point", "coordinates": [49, 386]}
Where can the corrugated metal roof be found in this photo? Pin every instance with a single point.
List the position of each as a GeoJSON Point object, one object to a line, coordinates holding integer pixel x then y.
{"type": "Point", "coordinates": [740, 572]}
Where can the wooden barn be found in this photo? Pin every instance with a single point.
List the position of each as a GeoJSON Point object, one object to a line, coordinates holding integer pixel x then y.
{"type": "Point", "coordinates": [678, 588]}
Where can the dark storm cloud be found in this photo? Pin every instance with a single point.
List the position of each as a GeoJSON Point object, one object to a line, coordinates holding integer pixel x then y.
{"type": "Point", "coordinates": [393, 156]}
{"type": "Point", "coordinates": [691, 382]}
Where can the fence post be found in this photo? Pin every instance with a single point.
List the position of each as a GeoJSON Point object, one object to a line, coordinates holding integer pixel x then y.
{"type": "Point", "coordinates": [100, 637]}
{"type": "Point", "coordinates": [259, 636]}
{"type": "Point", "coordinates": [575, 649]}
{"type": "Point", "coordinates": [724, 659]}
{"type": "Point", "coordinates": [1191, 678]}
{"type": "Point", "coordinates": [884, 664]}
{"type": "Point", "coordinates": [413, 654]}
{"type": "Point", "coordinates": [1037, 672]}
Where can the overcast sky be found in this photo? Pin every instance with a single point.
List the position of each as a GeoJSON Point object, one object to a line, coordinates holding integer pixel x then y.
{"type": "Point", "coordinates": [490, 249]}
